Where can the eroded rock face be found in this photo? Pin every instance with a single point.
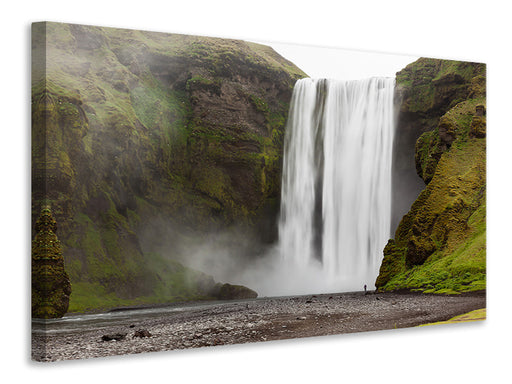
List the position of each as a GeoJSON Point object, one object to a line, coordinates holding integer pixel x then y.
{"type": "Point", "coordinates": [51, 287]}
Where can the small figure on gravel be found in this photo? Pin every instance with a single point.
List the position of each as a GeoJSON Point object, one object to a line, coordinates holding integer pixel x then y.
{"type": "Point", "coordinates": [365, 289]}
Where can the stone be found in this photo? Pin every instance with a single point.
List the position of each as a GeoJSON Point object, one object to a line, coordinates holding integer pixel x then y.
{"type": "Point", "coordinates": [480, 110]}
{"type": "Point", "coordinates": [447, 131]}
{"type": "Point", "coordinates": [233, 292]}
{"type": "Point", "coordinates": [141, 333]}
{"type": "Point", "coordinates": [114, 337]}
{"type": "Point", "coordinates": [478, 123]}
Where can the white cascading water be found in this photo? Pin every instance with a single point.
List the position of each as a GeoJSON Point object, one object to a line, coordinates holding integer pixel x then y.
{"type": "Point", "coordinates": [336, 183]}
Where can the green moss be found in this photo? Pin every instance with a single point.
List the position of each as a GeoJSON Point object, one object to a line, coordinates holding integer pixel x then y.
{"type": "Point", "coordinates": [260, 104]}
{"type": "Point", "coordinates": [433, 86]}
{"type": "Point", "coordinates": [460, 266]}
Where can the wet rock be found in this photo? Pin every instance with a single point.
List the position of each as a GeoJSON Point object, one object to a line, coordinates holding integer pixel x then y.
{"type": "Point", "coordinates": [233, 292]}
{"type": "Point", "coordinates": [141, 333]}
{"type": "Point", "coordinates": [114, 336]}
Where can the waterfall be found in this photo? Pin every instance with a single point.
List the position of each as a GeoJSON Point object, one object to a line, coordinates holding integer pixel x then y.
{"type": "Point", "coordinates": [336, 183]}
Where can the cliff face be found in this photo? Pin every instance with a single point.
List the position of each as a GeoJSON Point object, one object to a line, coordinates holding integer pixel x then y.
{"type": "Point", "coordinates": [144, 140]}
{"type": "Point", "coordinates": [426, 90]}
{"type": "Point", "coordinates": [439, 245]}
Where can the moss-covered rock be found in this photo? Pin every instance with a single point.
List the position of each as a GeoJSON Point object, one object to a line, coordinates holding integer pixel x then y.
{"type": "Point", "coordinates": [233, 292]}
{"type": "Point", "coordinates": [51, 287]}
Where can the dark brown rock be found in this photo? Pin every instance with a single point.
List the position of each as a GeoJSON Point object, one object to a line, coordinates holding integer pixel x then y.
{"type": "Point", "coordinates": [114, 336]}
{"type": "Point", "coordinates": [141, 333]}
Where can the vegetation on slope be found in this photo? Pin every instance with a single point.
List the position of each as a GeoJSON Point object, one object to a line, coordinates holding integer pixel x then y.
{"type": "Point", "coordinates": [439, 245]}
{"type": "Point", "coordinates": [426, 90]}
{"type": "Point", "coordinates": [143, 141]}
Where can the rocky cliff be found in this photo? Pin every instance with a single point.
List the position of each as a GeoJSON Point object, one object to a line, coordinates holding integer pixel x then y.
{"type": "Point", "coordinates": [425, 91]}
{"type": "Point", "coordinates": [439, 245]}
{"type": "Point", "coordinates": [145, 141]}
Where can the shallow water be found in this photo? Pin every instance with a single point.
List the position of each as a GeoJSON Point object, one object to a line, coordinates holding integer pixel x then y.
{"type": "Point", "coordinates": [123, 317]}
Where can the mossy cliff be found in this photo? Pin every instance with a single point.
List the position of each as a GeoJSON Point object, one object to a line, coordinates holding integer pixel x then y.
{"type": "Point", "coordinates": [144, 142]}
{"type": "Point", "coordinates": [439, 245]}
{"type": "Point", "coordinates": [425, 91]}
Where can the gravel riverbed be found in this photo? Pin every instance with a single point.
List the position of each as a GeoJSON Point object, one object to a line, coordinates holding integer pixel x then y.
{"type": "Point", "coordinates": [264, 319]}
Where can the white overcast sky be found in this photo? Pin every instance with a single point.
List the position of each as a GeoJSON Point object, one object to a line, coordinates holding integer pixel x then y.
{"type": "Point", "coordinates": [335, 63]}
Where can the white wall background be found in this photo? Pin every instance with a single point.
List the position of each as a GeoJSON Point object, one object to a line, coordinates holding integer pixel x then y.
{"type": "Point", "coordinates": [465, 30]}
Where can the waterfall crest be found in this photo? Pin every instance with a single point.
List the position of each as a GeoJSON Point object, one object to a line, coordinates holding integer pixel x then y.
{"type": "Point", "coordinates": [336, 182]}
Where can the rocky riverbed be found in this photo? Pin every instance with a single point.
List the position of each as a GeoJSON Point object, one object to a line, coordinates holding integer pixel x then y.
{"type": "Point", "coordinates": [264, 319]}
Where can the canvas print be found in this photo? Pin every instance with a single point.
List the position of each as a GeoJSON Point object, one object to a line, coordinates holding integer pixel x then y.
{"type": "Point", "coordinates": [192, 191]}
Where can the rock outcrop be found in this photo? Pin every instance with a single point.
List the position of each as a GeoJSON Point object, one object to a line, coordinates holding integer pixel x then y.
{"type": "Point", "coordinates": [144, 142]}
{"type": "Point", "coordinates": [51, 287]}
{"type": "Point", "coordinates": [439, 245]}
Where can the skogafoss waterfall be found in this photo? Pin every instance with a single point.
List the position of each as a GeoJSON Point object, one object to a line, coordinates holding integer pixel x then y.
{"type": "Point", "coordinates": [336, 183]}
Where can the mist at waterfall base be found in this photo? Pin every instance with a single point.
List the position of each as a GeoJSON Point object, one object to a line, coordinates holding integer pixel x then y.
{"type": "Point", "coordinates": [335, 212]}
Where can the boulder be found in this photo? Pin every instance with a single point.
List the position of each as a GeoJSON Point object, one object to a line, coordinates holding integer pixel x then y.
{"type": "Point", "coordinates": [141, 333]}
{"type": "Point", "coordinates": [114, 336]}
{"type": "Point", "coordinates": [233, 292]}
